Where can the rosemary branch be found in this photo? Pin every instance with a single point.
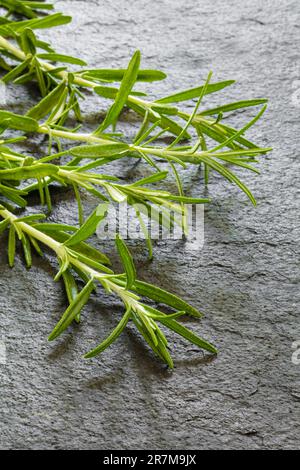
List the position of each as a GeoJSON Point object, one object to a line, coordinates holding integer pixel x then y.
{"type": "Point", "coordinates": [143, 316]}
{"type": "Point", "coordinates": [217, 147]}
{"type": "Point", "coordinates": [103, 148]}
{"type": "Point", "coordinates": [159, 111]}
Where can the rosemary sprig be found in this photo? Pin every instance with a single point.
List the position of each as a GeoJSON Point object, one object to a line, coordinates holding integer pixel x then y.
{"type": "Point", "coordinates": [103, 148]}
{"type": "Point", "coordinates": [16, 168]}
{"type": "Point", "coordinates": [25, 58]}
{"type": "Point", "coordinates": [34, 64]}
{"type": "Point", "coordinates": [29, 9]}
{"type": "Point", "coordinates": [64, 98]}
{"type": "Point", "coordinates": [73, 258]}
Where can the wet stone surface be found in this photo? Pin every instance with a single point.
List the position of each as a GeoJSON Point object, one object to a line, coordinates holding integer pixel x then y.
{"type": "Point", "coordinates": [246, 278]}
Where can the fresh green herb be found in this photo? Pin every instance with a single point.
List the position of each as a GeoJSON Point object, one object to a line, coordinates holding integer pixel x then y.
{"type": "Point", "coordinates": [70, 260]}
{"type": "Point", "coordinates": [24, 58]}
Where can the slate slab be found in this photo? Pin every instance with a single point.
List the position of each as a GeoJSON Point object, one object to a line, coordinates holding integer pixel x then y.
{"type": "Point", "coordinates": [246, 279]}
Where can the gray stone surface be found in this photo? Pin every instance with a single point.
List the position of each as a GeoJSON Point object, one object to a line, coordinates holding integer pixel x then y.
{"type": "Point", "coordinates": [246, 279]}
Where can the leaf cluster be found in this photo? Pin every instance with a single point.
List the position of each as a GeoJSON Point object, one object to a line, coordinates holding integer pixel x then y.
{"type": "Point", "coordinates": [62, 80]}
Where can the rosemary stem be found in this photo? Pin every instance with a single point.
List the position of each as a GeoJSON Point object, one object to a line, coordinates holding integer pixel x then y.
{"type": "Point", "coordinates": [43, 238]}
{"type": "Point", "coordinates": [90, 138]}
{"type": "Point", "coordinates": [4, 44]}
{"type": "Point", "coordinates": [13, 158]}
{"type": "Point", "coordinates": [79, 81]}
{"type": "Point", "coordinates": [175, 155]}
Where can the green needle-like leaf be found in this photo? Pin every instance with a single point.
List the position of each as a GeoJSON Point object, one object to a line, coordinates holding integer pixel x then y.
{"type": "Point", "coordinates": [112, 337]}
{"type": "Point", "coordinates": [50, 21]}
{"type": "Point", "coordinates": [46, 104]}
{"type": "Point", "coordinates": [27, 250]}
{"type": "Point", "coordinates": [27, 172]}
{"type": "Point", "coordinates": [111, 75]}
{"type": "Point", "coordinates": [107, 149]}
{"type": "Point", "coordinates": [233, 107]}
{"type": "Point", "coordinates": [160, 295]}
{"type": "Point", "coordinates": [86, 230]}
{"type": "Point", "coordinates": [187, 334]}
{"type": "Point", "coordinates": [53, 57]}
{"type": "Point", "coordinates": [126, 86]}
{"type": "Point", "coordinates": [73, 310]}
{"type": "Point", "coordinates": [127, 261]}
{"type": "Point", "coordinates": [195, 92]}
{"type": "Point", "coordinates": [21, 123]}
{"type": "Point", "coordinates": [11, 246]}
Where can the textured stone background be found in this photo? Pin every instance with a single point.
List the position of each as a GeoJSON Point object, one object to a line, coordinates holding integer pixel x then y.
{"type": "Point", "coordinates": [246, 278]}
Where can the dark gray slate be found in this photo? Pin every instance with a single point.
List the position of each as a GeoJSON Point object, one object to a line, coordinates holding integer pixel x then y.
{"type": "Point", "coordinates": [246, 279]}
